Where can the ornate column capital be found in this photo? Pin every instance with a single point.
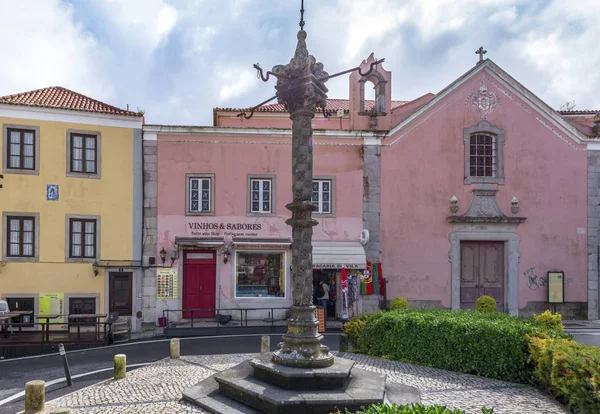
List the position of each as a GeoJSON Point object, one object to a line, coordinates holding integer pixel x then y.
{"type": "Point", "coordinates": [298, 85]}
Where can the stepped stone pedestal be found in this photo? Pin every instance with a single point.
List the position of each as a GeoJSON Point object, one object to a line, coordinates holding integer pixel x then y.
{"type": "Point", "coordinates": [261, 386]}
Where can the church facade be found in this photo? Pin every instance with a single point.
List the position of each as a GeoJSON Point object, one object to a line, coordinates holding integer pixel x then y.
{"type": "Point", "coordinates": [480, 189]}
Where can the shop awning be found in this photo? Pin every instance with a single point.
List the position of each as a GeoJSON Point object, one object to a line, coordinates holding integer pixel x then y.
{"type": "Point", "coordinates": [338, 254]}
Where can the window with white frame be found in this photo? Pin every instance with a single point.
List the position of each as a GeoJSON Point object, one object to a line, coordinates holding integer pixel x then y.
{"type": "Point", "coordinates": [321, 196]}
{"type": "Point", "coordinates": [200, 195]}
{"type": "Point", "coordinates": [260, 195]}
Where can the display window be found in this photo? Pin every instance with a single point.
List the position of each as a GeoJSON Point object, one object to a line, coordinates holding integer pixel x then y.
{"type": "Point", "coordinates": [260, 274]}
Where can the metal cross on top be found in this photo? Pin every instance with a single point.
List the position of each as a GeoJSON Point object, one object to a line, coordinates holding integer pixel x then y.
{"type": "Point", "coordinates": [480, 52]}
{"type": "Point", "coordinates": [301, 89]}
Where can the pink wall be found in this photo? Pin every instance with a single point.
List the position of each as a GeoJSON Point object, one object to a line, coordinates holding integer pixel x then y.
{"type": "Point", "coordinates": [425, 167]}
{"type": "Point", "coordinates": [279, 120]}
{"type": "Point", "coordinates": [232, 162]}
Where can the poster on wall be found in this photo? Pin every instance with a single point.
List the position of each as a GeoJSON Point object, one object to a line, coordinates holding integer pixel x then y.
{"type": "Point", "coordinates": [556, 286]}
{"type": "Point", "coordinates": [166, 283]}
{"type": "Point", "coordinates": [52, 304]}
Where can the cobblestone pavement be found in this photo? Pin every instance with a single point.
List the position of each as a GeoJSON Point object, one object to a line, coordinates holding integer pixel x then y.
{"type": "Point", "coordinates": [157, 388]}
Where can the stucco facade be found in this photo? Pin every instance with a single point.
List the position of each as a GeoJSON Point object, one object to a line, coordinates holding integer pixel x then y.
{"type": "Point", "coordinates": [65, 270]}
{"type": "Point", "coordinates": [481, 188]}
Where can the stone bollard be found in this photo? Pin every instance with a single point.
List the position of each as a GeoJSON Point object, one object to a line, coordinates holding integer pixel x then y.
{"type": "Point", "coordinates": [343, 343]}
{"type": "Point", "coordinates": [265, 344]}
{"type": "Point", "coordinates": [35, 396]}
{"type": "Point", "coordinates": [120, 366]}
{"type": "Point", "coordinates": [175, 349]}
{"type": "Point", "coordinates": [60, 410]}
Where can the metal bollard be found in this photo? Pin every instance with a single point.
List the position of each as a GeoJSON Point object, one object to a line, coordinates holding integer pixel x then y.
{"type": "Point", "coordinates": [120, 368]}
{"type": "Point", "coordinates": [61, 350]}
{"type": "Point", "coordinates": [35, 396]}
{"type": "Point", "coordinates": [343, 343]}
{"type": "Point", "coordinates": [175, 348]}
{"type": "Point", "coordinates": [265, 344]}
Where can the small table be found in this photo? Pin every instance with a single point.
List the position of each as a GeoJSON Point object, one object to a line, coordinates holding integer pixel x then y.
{"type": "Point", "coordinates": [47, 323]}
{"type": "Point", "coordinates": [95, 316]}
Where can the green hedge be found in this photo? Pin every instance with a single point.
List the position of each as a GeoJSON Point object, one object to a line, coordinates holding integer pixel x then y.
{"type": "Point", "coordinates": [568, 370]}
{"type": "Point", "coordinates": [412, 409]}
{"type": "Point", "coordinates": [487, 344]}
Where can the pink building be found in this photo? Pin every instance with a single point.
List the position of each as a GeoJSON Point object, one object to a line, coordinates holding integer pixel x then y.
{"type": "Point", "coordinates": [479, 189]}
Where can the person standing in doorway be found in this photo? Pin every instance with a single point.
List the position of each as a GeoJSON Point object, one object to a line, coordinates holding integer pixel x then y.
{"type": "Point", "coordinates": [323, 294]}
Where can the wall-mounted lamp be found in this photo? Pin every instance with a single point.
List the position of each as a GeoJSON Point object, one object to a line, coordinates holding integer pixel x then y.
{"type": "Point", "coordinates": [163, 255]}
{"type": "Point", "coordinates": [95, 267]}
{"type": "Point", "coordinates": [454, 205]}
{"type": "Point", "coordinates": [226, 254]}
{"type": "Point", "coordinates": [173, 256]}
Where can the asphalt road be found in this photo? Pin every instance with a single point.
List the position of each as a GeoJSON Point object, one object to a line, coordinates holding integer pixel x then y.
{"type": "Point", "coordinates": [14, 373]}
{"type": "Point", "coordinates": [587, 336]}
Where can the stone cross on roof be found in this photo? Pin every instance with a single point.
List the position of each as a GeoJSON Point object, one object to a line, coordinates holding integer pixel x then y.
{"type": "Point", "coordinates": [480, 52]}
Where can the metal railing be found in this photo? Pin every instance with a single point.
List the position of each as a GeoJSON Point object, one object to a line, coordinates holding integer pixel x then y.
{"type": "Point", "coordinates": [225, 317]}
{"type": "Point", "coordinates": [43, 332]}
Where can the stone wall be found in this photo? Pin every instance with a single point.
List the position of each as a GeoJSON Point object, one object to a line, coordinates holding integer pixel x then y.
{"type": "Point", "coordinates": [593, 228]}
{"type": "Point", "coordinates": [149, 230]}
{"type": "Point", "coordinates": [569, 311]}
{"type": "Point", "coordinates": [371, 214]}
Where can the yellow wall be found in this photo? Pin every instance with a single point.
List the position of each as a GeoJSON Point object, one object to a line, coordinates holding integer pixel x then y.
{"type": "Point", "coordinates": [110, 197]}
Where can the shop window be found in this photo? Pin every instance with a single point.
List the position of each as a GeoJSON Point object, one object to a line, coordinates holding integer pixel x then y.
{"type": "Point", "coordinates": [81, 306]}
{"type": "Point", "coordinates": [22, 305]}
{"type": "Point", "coordinates": [260, 274]}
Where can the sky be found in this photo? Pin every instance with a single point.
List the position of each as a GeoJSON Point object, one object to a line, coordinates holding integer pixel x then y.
{"type": "Point", "coordinates": [178, 59]}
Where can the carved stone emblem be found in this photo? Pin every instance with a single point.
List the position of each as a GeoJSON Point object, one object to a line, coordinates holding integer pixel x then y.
{"type": "Point", "coordinates": [484, 101]}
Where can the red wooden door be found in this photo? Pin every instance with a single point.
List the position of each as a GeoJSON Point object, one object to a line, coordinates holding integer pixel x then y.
{"type": "Point", "coordinates": [482, 273]}
{"type": "Point", "coordinates": [199, 284]}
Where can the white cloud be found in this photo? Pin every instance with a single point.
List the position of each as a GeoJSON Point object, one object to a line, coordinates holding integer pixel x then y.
{"type": "Point", "coordinates": [143, 23]}
{"type": "Point", "coordinates": [43, 46]}
{"type": "Point", "coordinates": [201, 38]}
{"type": "Point", "coordinates": [234, 82]}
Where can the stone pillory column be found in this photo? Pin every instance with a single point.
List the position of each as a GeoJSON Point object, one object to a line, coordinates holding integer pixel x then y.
{"type": "Point", "coordinates": [300, 90]}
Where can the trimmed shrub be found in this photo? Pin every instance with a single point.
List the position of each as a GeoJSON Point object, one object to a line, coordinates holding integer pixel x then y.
{"type": "Point", "coordinates": [412, 409]}
{"type": "Point", "coordinates": [568, 370]}
{"type": "Point", "coordinates": [487, 344]}
{"type": "Point", "coordinates": [485, 304]}
{"type": "Point", "coordinates": [399, 304]}
{"type": "Point", "coordinates": [550, 320]}
{"type": "Point", "coordinates": [354, 329]}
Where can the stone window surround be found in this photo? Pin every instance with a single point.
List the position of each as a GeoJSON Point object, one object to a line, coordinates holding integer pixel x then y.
{"type": "Point", "coordinates": [484, 127]}
{"type": "Point", "coordinates": [98, 135]}
{"type": "Point", "coordinates": [488, 232]}
{"type": "Point", "coordinates": [69, 296]}
{"type": "Point", "coordinates": [36, 303]}
{"type": "Point", "coordinates": [251, 177]}
{"type": "Point", "coordinates": [36, 150]}
{"type": "Point", "coordinates": [211, 212]}
{"type": "Point", "coordinates": [331, 179]}
{"type": "Point", "coordinates": [68, 257]}
{"type": "Point", "coordinates": [36, 237]}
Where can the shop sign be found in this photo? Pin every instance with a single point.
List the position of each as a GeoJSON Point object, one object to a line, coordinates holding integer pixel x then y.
{"type": "Point", "coordinates": [208, 229]}
{"type": "Point", "coordinates": [52, 304]}
{"type": "Point", "coordinates": [556, 286]}
{"type": "Point", "coordinates": [166, 283]}
{"type": "Point", "coordinates": [336, 266]}
{"type": "Point", "coordinates": [262, 246]}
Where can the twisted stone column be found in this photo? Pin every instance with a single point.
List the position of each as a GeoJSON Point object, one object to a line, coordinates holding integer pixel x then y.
{"type": "Point", "coordinates": [301, 91]}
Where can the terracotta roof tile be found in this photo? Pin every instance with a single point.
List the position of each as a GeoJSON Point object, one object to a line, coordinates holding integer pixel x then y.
{"type": "Point", "coordinates": [332, 105]}
{"type": "Point", "coordinates": [57, 97]}
{"type": "Point", "coordinates": [579, 112]}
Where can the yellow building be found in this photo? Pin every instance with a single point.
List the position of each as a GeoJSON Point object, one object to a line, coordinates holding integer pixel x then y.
{"type": "Point", "coordinates": [71, 205]}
